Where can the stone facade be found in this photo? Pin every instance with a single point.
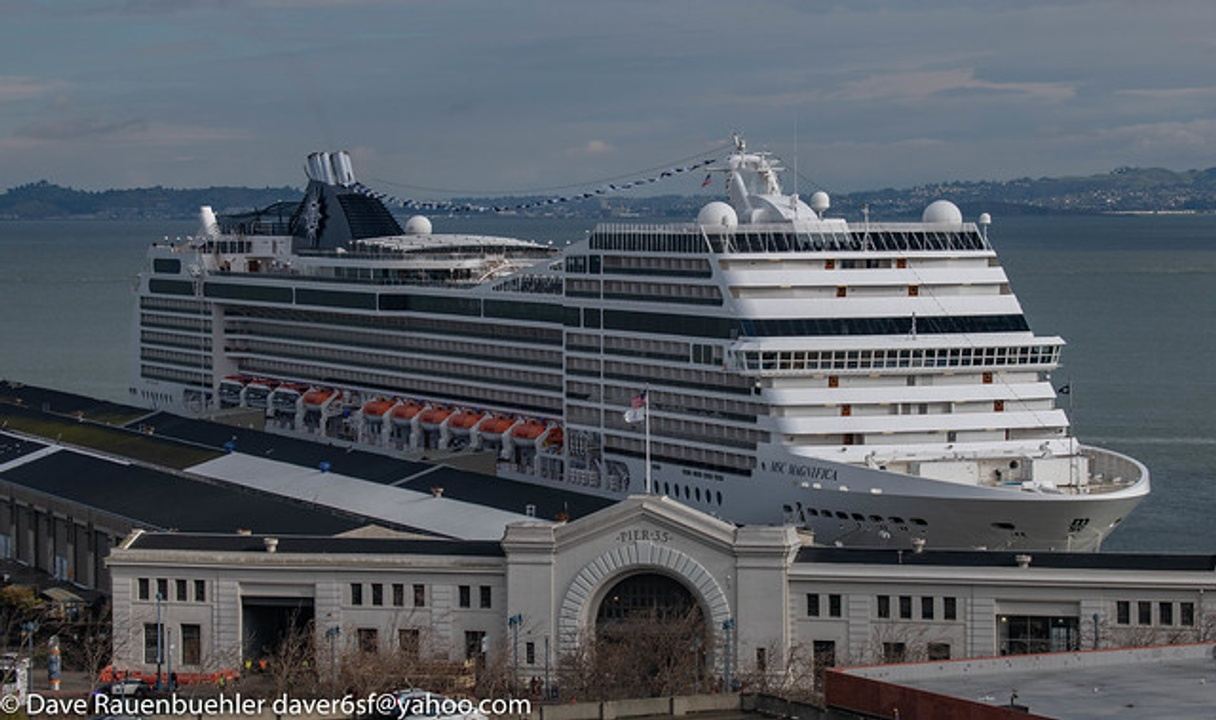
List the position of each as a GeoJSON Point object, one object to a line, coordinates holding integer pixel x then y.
{"type": "Point", "coordinates": [785, 600]}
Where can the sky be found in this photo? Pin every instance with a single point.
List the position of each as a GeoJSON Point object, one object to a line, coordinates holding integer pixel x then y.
{"type": "Point", "coordinates": [491, 96]}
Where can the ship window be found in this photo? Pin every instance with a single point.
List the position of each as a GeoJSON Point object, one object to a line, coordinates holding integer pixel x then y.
{"type": "Point", "coordinates": [168, 266]}
{"type": "Point", "coordinates": [257, 293]}
{"type": "Point", "coordinates": [336, 298]}
{"type": "Point", "coordinates": [884, 606]}
{"type": "Point", "coordinates": [897, 520]}
{"type": "Point", "coordinates": [949, 608]}
{"type": "Point", "coordinates": [813, 512]}
{"type": "Point", "coordinates": [842, 515]}
{"type": "Point", "coordinates": [1144, 612]}
{"type": "Point", "coordinates": [718, 496]}
{"type": "Point", "coordinates": [173, 287]}
{"type": "Point", "coordinates": [1123, 612]}
{"type": "Point", "coordinates": [859, 517]}
{"type": "Point", "coordinates": [876, 518]}
{"type": "Point", "coordinates": [918, 521]}
{"type": "Point", "coordinates": [1186, 614]}
{"type": "Point", "coordinates": [1165, 613]}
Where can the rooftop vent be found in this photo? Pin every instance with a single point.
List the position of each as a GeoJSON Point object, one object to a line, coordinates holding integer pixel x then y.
{"type": "Point", "coordinates": [244, 531]}
{"type": "Point", "coordinates": [437, 491]}
{"type": "Point", "coordinates": [1023, 561]}
{"type": "Point", "coordinates": [918, 545]}
{"type": "Point", "coordinates": [271, 543]}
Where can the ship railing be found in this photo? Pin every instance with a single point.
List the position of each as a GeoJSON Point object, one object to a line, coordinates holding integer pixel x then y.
{"type": "Point", "coordinates": [787, 238]}
{"type": "Point", "coordinates": [1109, 470]}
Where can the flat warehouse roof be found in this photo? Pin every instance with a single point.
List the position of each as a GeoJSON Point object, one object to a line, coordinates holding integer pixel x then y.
{"type": "Point", "coordinates": [165, 500]}
{"type": "Point", "coordinates": [1176, 682]}
{"type": "Point", "coordinates": [1177, 690]}
{"type": "Point", "coordinates": [307, 453]}
{"type": "Point", "coordinates": [1005, 558]}
{"type": "Point", "coordinates": [318, 544]}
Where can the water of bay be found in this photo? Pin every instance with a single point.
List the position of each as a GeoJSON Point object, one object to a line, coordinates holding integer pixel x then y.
{"type": "Point", "coordinates": [1135, 297]}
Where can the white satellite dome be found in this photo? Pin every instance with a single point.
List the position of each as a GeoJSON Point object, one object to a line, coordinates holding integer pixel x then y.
{"type": "Point", "coordinates": [418, 225]}
{"type": "Point", "coordinates": [985, 219]}
{"type": "Point", "coordinates": [717, 214]}
{"type": "Point", "coordinates": [942, 212]}
{"type": "Point", "coordinates": [820, 202]}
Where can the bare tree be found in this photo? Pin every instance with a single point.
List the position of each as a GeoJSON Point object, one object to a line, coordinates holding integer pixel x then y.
{"type": "Point", "coordinates": [644, 655]}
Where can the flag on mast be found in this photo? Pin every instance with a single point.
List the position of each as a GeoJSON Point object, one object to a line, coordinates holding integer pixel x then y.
{"type": "Point", "coordinates": [707, 181]}
{"type": "Point", "coordinates": [637, 408]}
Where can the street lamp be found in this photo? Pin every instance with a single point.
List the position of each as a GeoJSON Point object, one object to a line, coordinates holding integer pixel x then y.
{"type": "Point", "coordinates": [514, 622]}
{"type": "Point", "coordinates": [332, 635]}
{"type": "Point", "coordinates": [728, 625]}
{"type": "Point", "coordinates": [160, 640]}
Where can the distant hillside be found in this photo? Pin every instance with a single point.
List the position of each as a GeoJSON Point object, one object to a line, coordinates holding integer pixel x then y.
{"type": "Point", "coordinates": [1123, 190]}
{"type": "Point", "coordinates": [44, 200]}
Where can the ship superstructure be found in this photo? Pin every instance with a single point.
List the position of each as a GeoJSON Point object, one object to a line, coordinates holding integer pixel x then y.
{"type": "Point", "coordinates": [877, 383]}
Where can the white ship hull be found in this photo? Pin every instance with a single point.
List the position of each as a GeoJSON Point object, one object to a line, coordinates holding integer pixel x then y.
{"type": "Point", "coordinates": [876, 383]}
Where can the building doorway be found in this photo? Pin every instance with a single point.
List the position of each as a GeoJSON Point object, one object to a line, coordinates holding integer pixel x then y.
{"type": "Point", "coordinates": [276, 627]}
{"type": "Point", "coordinates": [650, 629]}
{"type": "Point", "coordinates": [1028, 634]}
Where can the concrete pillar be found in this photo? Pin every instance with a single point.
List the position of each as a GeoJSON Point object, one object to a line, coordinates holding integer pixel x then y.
{"type": "Point", "coordinates": [531, 589]}
{"type": "Point", "coordinates": [981, 621]}
{"type": "Point", "coordinates": [763, 557]}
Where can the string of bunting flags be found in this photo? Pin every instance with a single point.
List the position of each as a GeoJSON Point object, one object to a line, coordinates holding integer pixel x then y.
{"type": "Point", "coordinates": [448, 206]}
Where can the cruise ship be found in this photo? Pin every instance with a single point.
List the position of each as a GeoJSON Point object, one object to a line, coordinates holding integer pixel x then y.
{"type": "Point", "coordinates": [875, 383]}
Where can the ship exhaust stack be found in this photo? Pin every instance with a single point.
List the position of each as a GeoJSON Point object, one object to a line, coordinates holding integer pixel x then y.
{"type": "Point", "coordinates": [209, 226]}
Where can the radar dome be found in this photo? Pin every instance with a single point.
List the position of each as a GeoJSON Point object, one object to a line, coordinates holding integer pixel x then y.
{"type": "Point", "coordinates": [717, 214]}
{"type": "Point", "coordinates": [820, 202]}
{"type": "Point", "coordinates": [985, 219]}
{"type": "Point", "coordinates": [418, 225]}
{"type": "Point", "coordinates": [942, 212]}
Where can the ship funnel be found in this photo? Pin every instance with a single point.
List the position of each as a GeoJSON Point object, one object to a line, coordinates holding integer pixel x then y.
{"type": "Point", "coordinates": [320, 169]}
{"type": "Point", "coordinates": [344, 172]}
{"type": "Point", "coordinates": [208, 225]}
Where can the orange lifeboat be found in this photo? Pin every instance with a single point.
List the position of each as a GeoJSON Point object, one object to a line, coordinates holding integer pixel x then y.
{"type": "Point", "coordinates": [318, 396]}
{"type": "Point", "coordinates": [530, 430]}
{"type": "Point", "coordinates": [496, 425]}
{"type": "Point", "coordinates": [403, 414]}
{"type": "Point", "coordinates": [555, 437]}
{"type": "Point", "coordinates": [465, 420]}
{"type": "Point", "coordinates": [434, 416]}
{"type": "Point", "coordinates": [376, 408]}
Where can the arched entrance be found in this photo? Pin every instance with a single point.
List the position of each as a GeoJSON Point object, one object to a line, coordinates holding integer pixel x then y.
{"type": "Point", "coordinates": [651, 636]}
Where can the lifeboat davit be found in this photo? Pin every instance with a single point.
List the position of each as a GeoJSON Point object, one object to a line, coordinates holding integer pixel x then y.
{"type": "Point", "coordinates": [376, 408]}
{"type": "Point", "coordinates": [403, 414]}
{"type": "Point", "coordinates": [496, 425]}
{"type": "Point", "coordinates": [319, 396]}
{"type": "Point", "coordinates": [530, 430]}
{"type": "Point", "coordinates": [464, 421]}
{"type": "Point", "coordinates": [434, 416]}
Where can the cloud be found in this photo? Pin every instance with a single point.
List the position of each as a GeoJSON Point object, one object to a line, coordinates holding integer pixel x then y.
{"type": "Point", "coordinates": [925, 84]}
{"type": "Point", "coordinates": [87, 129]}
{"type": "Point", "coordinates": [1176, 93]}
{"type": "Point", "coordinates": [22, 88]}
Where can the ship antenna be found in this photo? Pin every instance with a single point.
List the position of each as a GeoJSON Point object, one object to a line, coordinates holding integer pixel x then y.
{"type": "Point", "coordinates": [795, 198]}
